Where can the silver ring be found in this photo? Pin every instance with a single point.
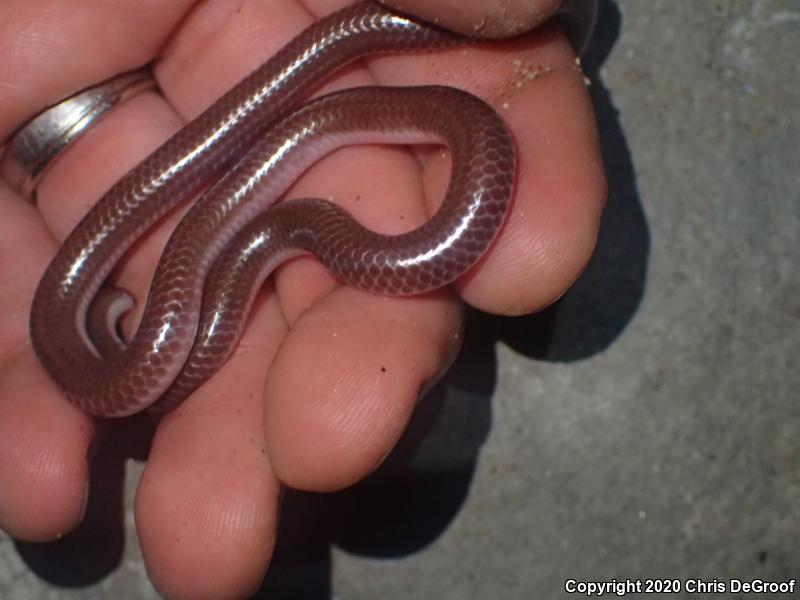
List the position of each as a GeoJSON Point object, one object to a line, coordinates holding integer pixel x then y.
{"type": "Point", "coordinates": [37, 144]}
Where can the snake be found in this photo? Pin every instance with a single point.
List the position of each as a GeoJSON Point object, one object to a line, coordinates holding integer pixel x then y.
{"type": "Point", "coordinates": [239, 157]}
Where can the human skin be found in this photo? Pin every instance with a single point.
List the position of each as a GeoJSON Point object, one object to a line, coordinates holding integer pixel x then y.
{"type": "Point", "coordinates": [315, 397]}
{"type": "Point", "coordinates": [487, 19]}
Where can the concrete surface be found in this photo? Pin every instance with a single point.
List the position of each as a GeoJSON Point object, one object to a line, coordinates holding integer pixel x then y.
{"type": "Point", "coordinates": [646, 426]}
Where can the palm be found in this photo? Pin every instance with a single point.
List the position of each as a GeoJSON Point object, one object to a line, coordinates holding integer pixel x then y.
{"type": "Point", "coordinates": [325, 377]}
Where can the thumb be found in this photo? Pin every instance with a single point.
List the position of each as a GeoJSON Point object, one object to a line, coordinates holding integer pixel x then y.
{"type": "Point", "coordinates": [481, 18]}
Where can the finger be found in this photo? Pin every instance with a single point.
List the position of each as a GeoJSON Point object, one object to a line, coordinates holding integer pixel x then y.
{"type": "Point", "coordinates": [220, 43]}
{"type": "Point", "coordinates": [481, 18]}
{"type": "Point", "coordinates": [44, 441]}
{"type": "Point", "coordinates": [208, 499]}
{"type": "Point", "coordinates": [551, 229]}
{"type": "Point", "coordinates": [59, 48]}
{"type": "Point", "coordinates": [44, 448]}
{"type": "Point", "coordinates": [344, 383]}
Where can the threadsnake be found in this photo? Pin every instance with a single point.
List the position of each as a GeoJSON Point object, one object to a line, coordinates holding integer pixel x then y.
{"type": "Point", "coordinates": [256, 140]}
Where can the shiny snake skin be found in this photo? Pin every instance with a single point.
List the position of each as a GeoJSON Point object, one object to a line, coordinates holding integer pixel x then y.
{"type": "Point", "coordinates": [228, 243]}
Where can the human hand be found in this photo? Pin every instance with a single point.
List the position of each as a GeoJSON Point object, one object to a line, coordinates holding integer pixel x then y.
{"type": "Point", "coordinates": [325, 377]}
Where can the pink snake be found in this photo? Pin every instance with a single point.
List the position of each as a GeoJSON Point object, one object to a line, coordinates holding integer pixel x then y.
{"type": "Point", "coordinates": [228, 242]}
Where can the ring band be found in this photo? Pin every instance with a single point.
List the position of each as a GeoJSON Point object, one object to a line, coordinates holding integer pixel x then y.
{"type": "Point", "coordinates": [36, 145]}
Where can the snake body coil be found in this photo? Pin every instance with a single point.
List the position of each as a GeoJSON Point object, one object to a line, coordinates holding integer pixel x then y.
{"type": "Point", "coordinates": [228, 242]}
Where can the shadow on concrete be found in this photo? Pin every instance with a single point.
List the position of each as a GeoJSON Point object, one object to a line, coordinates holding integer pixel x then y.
{"type": "Point", "coordinates": [412, 498]}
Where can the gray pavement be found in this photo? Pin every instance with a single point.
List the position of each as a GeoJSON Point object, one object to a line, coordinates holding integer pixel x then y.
{"type": "Point", "coordinates": [647, 426]}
